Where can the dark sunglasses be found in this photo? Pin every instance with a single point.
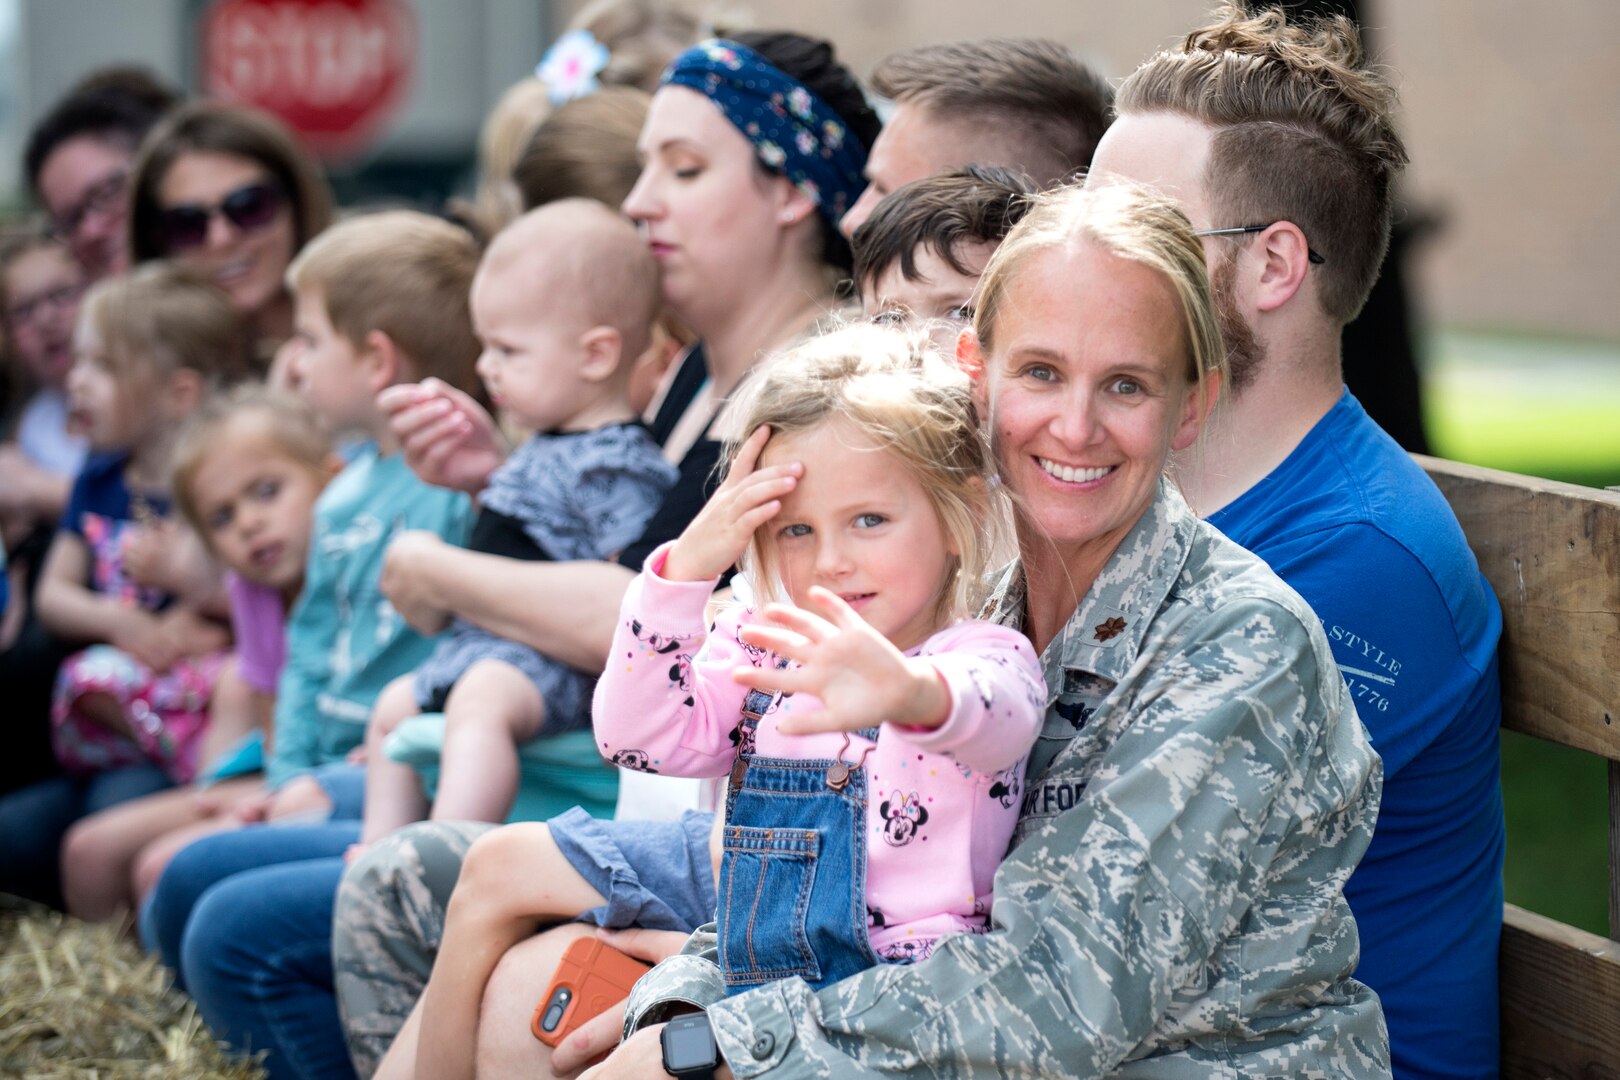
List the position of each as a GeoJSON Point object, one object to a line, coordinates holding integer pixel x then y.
{"type": "Point", "coordinates": [248, 208]}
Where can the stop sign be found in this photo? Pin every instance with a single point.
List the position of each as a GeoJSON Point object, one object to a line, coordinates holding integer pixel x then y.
{"type": "Point", "coordinates": [334, 70]}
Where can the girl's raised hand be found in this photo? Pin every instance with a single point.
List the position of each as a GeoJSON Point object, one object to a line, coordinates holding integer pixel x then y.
{"type": "Point", "coordinates": [747, 499]}
{"type": "Point", "coordinates": [857, 673]}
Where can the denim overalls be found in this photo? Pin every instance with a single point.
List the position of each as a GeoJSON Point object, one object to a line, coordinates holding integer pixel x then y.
{"type": "Point", "coordinates": [792, 889]}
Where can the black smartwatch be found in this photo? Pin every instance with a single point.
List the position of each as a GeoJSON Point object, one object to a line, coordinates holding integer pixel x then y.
{"type": "Point", "coordinates": [689, 1048]}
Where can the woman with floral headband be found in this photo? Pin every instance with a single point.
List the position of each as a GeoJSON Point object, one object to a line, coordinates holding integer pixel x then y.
{"type": "Point", "coordinates": [753, 149]}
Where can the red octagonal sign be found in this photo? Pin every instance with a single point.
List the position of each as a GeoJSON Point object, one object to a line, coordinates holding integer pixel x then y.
{"type": "Point", "coordinates": [334, 70]}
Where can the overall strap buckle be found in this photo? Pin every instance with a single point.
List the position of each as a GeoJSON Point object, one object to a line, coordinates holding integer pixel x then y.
{"type": "Point", "coordinates": [839, 771]}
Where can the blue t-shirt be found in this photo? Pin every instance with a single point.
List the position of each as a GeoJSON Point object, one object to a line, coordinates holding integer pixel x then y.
{"type": "Point", "coordinates": [1361, 532]}
{"type": "Point", "coordinates": [100, 510]}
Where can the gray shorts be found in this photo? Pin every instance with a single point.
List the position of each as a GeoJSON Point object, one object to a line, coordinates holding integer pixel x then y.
{"type": "Point", "coordinates": [654, 874]}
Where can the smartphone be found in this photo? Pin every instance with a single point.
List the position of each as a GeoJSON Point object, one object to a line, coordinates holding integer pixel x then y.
{"type": "Point", "coordinates": [591, 976]}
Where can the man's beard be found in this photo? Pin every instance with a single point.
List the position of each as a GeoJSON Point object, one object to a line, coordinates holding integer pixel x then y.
{"type": "Point", "coordinates": [1244, 352]}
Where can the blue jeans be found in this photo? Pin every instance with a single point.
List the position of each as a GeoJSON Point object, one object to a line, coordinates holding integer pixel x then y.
{"type": "Point", "coordinates": [163, 917]}
{"type": "Point", "coordinates": [792, 888]}
{"type": "Point", "coordinates": [246, 918]}
{"type": "Point", "coordinates": [34, 819]}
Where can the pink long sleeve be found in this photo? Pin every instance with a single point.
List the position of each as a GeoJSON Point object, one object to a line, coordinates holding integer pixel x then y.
{"type": "Point", "coordinates": [666, 702]}
{"type": "Point", "coordinates": [941, 804]}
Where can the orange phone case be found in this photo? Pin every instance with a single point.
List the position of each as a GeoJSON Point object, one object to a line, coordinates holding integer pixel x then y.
{"type": "Point", "coordinates": [596, 975]}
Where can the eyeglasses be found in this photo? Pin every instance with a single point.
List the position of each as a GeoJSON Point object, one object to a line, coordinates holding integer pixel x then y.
{"type": "Point", "coordinates": [98, 198]}
{"type": "Point", "coordinates": [60, 298]}
{"type": "Point", "coordinates": [900, 316]}
{"type": "Point", "coordinates": [1241, 230]}
{"type": "Point", "coordinates": [249, 208]}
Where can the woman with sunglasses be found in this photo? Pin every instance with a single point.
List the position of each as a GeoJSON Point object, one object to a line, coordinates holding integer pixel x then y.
{"type": "Point", "coordinates": [228, 191]}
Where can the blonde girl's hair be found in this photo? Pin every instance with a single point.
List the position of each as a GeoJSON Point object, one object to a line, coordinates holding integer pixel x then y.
{"type": "Point", "coordinates": [282, 421]}
{"type": "Point", "coordinates": [894, 388]}
{"type": "Point", "coordinates": [164, 315]}
{"type": "Point", "coordinates": [1127, 220]}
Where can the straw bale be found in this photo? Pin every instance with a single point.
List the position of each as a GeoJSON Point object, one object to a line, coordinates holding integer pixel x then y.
{"type": "Point", "coordinates": [82, 1001]}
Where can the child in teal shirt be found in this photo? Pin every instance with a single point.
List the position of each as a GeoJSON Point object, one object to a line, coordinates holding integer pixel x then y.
{"type": "Point", "coordinates": [380, 299]}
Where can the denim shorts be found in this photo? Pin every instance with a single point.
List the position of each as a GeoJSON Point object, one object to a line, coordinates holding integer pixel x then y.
{"type": "Point", "coordinates": [655, 874]}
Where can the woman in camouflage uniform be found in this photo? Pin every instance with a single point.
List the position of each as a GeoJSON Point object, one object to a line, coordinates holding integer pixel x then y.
{"type": "Point", "coordinates": [1173, 902]}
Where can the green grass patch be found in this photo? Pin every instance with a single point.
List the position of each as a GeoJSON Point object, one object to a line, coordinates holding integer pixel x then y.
{"type": "Point", "coordinates": [1557, 831]}
{"type": "Point", "coordinates": [1542, 407]}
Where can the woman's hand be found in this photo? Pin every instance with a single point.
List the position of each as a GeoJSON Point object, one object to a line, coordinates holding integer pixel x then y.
{"type": "Point", "coordinates": [449, 440]}
{"type": "Point", "coordinates": [600, 1034]}
{"type": "Point", "coordinates": [642, 1055]}
{"type": "Point", "coordinates": [405, 583]}
{"type": "Point", "coordinates": [857, 673]}
{"type": "Point", "coordinates": [747, 499]}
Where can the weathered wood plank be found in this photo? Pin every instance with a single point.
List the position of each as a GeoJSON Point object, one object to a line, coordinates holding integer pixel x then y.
{"type": "Point", "coordinates": [1552, 553]}
{"type": "Point", "coordinates": [1560, 1001]}
{"type": "Point", "coordinates": [1614, 850]}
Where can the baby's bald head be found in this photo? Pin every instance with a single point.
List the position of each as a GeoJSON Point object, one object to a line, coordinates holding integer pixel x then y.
{"type": "Point", "coordinates": [585, 261]}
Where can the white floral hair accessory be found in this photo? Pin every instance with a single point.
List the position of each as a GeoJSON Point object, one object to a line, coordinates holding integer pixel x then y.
{"type": "Point", "coordinates": [570, 66]}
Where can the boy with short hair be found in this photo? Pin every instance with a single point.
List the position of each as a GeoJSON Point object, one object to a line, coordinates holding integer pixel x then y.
{"type": "Point", "coordinates": [380, 299]}
{"type": "Point", "coordinates": [920, 254]}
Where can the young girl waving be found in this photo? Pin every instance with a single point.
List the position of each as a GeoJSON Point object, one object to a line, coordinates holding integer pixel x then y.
{"type": "Point", "coordinates": [874, 739]}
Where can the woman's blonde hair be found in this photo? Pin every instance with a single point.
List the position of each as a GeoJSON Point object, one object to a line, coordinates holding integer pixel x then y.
{"type": "Point", "coordinates": [282, 421]}
{"type": "Point", "coordinates": [1127, 220]}
{"type": "Point", "coordinates": [167, 316]}
{"type": "Point", "coordinates": [506, 131]}
{"type": "Point", "coordinates": [896, 390]}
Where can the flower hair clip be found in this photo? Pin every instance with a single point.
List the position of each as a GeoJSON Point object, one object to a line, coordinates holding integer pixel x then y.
{"type": "Point", "coordinates": [570, 66]}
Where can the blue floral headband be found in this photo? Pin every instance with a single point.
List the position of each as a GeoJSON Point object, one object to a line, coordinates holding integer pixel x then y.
{"type": "Point", "coordinates": [794, 132]}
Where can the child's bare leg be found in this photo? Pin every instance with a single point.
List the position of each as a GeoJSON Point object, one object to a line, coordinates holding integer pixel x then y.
{"type": "Point", "coordinates": [394, 796]}
{"type": "Point", "coordinates": [99, 851]}
{"type": "Point", "coordinates": [230, 714]}
{"type": "Point", "coordinates": [492, 708]}
{"type": "Point", "coordinates": [514, 880]}
{"type": "Point", "coordinates": [214, 809]}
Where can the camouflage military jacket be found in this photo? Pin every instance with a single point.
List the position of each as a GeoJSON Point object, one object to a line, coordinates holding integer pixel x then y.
{"type": "Point", "coordinates": [1173, 902]}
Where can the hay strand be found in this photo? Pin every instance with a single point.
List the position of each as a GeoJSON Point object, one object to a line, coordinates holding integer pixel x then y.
{"type": "Point", "coordinates": [81, 1001]}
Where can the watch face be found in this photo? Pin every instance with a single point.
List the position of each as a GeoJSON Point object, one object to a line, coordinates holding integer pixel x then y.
{"type": "Point", "coordinates": [688, 1046]}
